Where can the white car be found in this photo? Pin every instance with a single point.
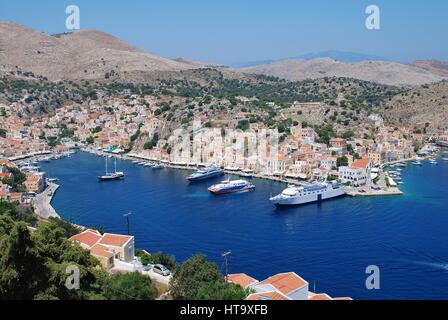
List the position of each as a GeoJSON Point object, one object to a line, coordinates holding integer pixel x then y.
{"type": "Point", "coordinates": [161, 269]}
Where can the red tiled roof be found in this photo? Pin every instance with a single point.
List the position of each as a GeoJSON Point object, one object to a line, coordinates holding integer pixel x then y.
{"type": "Point", "coordinates": [286, 282]}
{"type": "Point", "coordinates": [241, 279]}
{"type": "Point", "coordinates": [273, 295]}
{"type": "Point", "coordinates": [100, 250]}
{"type": "Point", "coordinates": [321, 296]}
{"type": "Point", "coordinates": [361, 164]}
{"type": "Point", "coordinates": [114, 240]}
{"type": "Point", "coordinates": [88, 237]}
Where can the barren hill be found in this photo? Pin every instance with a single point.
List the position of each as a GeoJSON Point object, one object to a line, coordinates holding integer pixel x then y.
{"type": "Point", "coordinates": [88, 54]}
{"type": "Point", "coordinates": [434, 66]}
{"type": "Point", "coordinates": [382, 72]}
{"type": "Point", "coordinates": [424, 105]}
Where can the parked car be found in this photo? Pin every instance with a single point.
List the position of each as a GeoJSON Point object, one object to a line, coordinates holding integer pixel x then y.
{"type": "Point", "coordinates": [147, 268]}
{"type": "Point", "coordinates": [160, 269]}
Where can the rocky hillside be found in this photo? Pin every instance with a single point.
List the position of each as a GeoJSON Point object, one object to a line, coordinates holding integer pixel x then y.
{"type": "Point", "coordinates": [420, 107]}
{"type": "Point", "coordinates": [86, 54]}
{"type": "Point", "coordinates": [434, 66]}
{"type": "Point", "coordinates": [389, 73]}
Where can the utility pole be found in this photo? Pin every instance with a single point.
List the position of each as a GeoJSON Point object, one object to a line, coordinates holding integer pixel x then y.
{"type": "Point", "coordinates": [127, 220]}
{"type": "Point", "coordinates": [226, 257]}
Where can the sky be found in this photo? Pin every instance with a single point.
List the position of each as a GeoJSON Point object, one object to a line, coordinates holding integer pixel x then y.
{"type": "Point", "coordinates": [237, 31]}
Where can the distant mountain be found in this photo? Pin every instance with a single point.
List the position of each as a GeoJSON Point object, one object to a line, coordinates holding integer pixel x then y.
{"type": "Point", "coordinates": [341, 56]}
{"type": "Point", "coordinates": [437, 67]}
{"type": "Point", "coordinates": [85, 54]}
{"type": "Point", "coordinates": [382, 72]}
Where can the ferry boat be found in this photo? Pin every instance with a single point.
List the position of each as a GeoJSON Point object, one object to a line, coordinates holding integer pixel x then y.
{"type": "Point", "coordinates": [297, 195]}
{"type": "Point", "coordinates": [207, 173]}
{"type": "Point", "coordinates": [228, 186]}
{"type": "Point", "coordinates": [117, 175]}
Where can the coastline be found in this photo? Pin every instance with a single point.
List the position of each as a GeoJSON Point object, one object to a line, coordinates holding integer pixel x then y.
{"type": "Point", "coordinates": [42, 203]}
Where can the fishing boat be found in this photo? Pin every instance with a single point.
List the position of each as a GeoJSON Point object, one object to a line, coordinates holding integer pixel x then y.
{"type": "Point", "coordinates": [117, 175]}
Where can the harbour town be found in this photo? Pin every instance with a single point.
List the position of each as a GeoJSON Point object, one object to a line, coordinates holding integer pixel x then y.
{"type": "Point", "coordinates": [309, 171]}
{"type": "Point", "coordinates": [244, 165]}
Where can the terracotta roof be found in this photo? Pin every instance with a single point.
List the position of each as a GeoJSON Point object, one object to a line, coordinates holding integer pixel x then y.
{"type": "Point", "coordinates": [320, 296]}
{"type": "Point", "coordinates": [88, 237]}
{"type": "Point", "coordinates": [273, 295]}
{"type": "Point", "coordinates": [361, 164]}
{"type": "Point", "coordinates": [241, 279]}
{"type": "Point", "coordinates": [286, 282]}
{"type": "Point", "coordinates": [100, 250]}
{"type": "Point", "coordinates": [114, 240]}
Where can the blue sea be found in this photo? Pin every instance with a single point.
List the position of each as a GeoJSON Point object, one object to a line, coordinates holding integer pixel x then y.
{"type": "Point", "coordinates": [329, 244]}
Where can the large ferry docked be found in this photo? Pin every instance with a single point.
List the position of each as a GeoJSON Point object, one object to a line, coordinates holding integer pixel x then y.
{"type": "Point", "coordinates": [297, 195]}
{"type": "Point", "coordinates": [207, 173]}
{"type": "Point", "coordinates": [235, 186]}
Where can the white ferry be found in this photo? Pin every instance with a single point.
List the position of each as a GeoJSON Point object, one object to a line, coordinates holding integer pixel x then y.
{"type": "Point", "coordinates": [297, 195]}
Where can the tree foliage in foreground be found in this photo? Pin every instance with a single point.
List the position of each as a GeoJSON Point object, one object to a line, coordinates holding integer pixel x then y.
{"type": "Point", "coordinates": [198, 279]}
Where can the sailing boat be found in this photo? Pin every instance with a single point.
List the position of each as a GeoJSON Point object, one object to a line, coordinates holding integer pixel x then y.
{"type": "Point", "coordinates": [112, 176]}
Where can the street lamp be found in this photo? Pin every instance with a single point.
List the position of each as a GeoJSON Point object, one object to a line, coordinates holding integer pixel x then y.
{"type": "Point", "coordinates": [126, 215]}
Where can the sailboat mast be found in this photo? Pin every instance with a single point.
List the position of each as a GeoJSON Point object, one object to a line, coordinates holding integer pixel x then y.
{"type": "Point", "coordinates": [115, 165]}
{"type": "Point", "coordinates": [106, 166]}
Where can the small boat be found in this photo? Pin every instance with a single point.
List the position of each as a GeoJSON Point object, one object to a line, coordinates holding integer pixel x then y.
{"type": "Point", "coordinates": [52, 179]}
{"type": "Point", "coordinates": [246, 173]}
{"type": "Point", "coordinates": [157, 166]}
{"type": "Point", "coordinates": [112, 176]}
{"type": "Point", "coordinates": [227, 187]}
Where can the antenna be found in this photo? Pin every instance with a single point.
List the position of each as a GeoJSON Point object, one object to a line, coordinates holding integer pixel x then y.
{"type": "Point", "coordinates": [226, 257]}
{"type": "Point", "coordinates": [126, 215]}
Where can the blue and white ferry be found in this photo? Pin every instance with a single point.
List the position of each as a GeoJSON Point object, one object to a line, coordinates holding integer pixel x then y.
{"type": "Point", "coordinates": [228, 186]}
{"type": "Point", "coordinates": [297, 195]}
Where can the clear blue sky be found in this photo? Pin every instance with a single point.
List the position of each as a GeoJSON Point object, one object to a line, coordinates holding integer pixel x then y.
{"type": "Point", "coordinates": [233, 31]}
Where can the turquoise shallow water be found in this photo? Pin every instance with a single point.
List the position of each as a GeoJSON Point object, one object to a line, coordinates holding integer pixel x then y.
{"type": "Point", "coordinates": [328, 244]}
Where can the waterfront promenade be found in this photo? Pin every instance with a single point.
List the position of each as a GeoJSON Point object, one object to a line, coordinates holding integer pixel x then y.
{"type": "Point", "coordinates": [42, 202]}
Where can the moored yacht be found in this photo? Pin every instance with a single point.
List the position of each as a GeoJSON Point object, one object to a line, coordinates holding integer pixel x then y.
{"type": "Point", "coordinates": [117, 175]}
{"type": "Point", "coordinates": [297, 195]}
{"type": "Point", "coordinates": [226, 187]}
{"type": "Point", "coordinates": [207, 173]}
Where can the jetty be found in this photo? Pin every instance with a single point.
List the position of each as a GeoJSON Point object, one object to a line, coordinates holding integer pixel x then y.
{"type": "Point", "coordinates": [356, 192]}
{"type": "Point", "coordinates": [42, 202]}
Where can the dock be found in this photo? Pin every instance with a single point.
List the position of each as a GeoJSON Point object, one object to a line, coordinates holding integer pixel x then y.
{"type": "Point", "coordinates": [42, 202]}
{"type": "Point", "coordinates": [375, 193]}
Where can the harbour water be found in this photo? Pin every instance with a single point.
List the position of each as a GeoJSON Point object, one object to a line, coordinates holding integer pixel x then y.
{"type": "Point", "coordinates": [329, 244]}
